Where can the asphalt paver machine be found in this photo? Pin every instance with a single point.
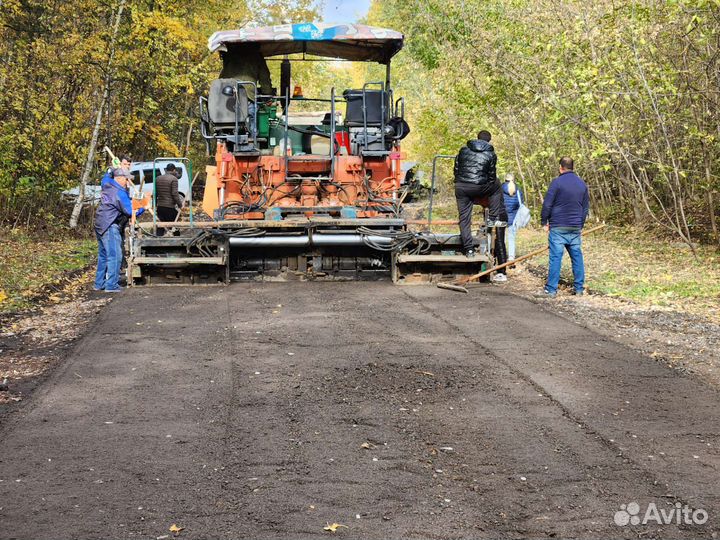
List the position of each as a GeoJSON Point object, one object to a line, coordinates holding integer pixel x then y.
{"type": "Point", "coordinates": [298, 195]}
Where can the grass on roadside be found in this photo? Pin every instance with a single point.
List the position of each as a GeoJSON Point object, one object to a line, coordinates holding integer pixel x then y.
{"type": "Point", "coordinates": [632, 264]}
{"type": "Point", "coordinates": [29, 265]}
{"type": "Point", "coordinates": [625, 262]}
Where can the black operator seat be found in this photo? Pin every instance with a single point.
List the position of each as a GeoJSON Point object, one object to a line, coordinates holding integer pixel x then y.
{"type": "Point", "coordinates": [222, 98]}
{"type": "Point", "coordinates": [374, 100]}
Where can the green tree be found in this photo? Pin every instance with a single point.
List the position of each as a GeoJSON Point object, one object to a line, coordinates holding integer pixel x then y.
{"type": "Point", "coordinates": [55, 71]}
{"type": "Point", "coordinates": [629, 89]}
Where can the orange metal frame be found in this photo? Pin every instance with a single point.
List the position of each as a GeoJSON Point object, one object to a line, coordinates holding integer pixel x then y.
{"type": "Point", "coordinates": [273, 182]}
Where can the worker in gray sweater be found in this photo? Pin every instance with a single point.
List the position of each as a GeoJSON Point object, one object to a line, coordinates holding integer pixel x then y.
{"type": "Point", "coordinates": [168, 199]}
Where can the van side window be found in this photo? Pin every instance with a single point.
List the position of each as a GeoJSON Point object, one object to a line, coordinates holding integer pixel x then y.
{"type": "Point", "coordinates": [148, 175]}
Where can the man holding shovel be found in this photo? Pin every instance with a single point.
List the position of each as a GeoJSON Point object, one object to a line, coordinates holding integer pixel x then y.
{"type": "Point", "coordinates": [113, 213]}
{"type": "Point", "coordinates": [565, 209]}
{"type": "Point", "coordinates": [564, 212]}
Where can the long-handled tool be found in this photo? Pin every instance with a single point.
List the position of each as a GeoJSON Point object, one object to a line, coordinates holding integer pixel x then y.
{"type": "Point", "coordinates": [179, 212]}
{"type": "Point", "coordinates": [458, 284]}
{"type": "Point", "coordinates": [113, 159]}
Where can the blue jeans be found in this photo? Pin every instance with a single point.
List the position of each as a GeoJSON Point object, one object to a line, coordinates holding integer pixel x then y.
{"type": "Point", "coordinates": [109, 259]}
{"type": "Point", "coordinates": [559, 239]}
{"type": "Point", "coordinates": [511, 232]}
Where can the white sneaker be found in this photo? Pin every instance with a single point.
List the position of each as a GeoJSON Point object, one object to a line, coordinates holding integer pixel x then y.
{"type": "Point", "coordinates": [499, 278]}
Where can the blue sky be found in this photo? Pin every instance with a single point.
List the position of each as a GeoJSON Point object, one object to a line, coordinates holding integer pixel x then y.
{"type": "Point", "coordinates": [345, 10]}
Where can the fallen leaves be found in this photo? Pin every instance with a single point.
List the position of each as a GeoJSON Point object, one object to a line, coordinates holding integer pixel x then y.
{"type": "Point", "coordinates": [175, 529]}
{"type": "Point", "coordinates": [7, 397]}
{"type": "Point", "coordinates": [58, 322]}
{"type": "Point", "coordinates": [334, 527]}
{"type": "Point", "coordinates": [31, 269]}
{"type": "Point", "coordinates": [644, 270]}
{"type": "Point", "coordinates": [39, 337]}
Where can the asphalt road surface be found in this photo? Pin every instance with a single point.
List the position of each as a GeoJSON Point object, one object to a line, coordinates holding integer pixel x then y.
{"type": "Point", "coordinates": [270, 410]}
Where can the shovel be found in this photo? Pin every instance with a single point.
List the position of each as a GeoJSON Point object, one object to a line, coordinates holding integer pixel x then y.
{"type": "Point", "coordinates": [458, 284]}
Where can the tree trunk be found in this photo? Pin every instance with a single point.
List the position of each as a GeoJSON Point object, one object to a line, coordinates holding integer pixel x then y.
{"type": "Point", "coordinates": [88, 163]}
{"type": "Point", "coordinates": [188, 138]}
{"type": "Point", "coordinates": [75, 216]}
{"type": "Point", "coordinates": [713, 221]}
{"type": "Point", "coordinates": [710, 198]}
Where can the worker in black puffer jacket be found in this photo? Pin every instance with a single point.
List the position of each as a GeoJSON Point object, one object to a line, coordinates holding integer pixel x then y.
{"type": "Point", "coordinates": [475, 181]}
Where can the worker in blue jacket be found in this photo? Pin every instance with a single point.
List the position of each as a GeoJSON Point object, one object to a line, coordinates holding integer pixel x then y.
{"type": "Point", "coordinates": [565, 209]}
{"type": "Point", "coordinates": [112, 214]}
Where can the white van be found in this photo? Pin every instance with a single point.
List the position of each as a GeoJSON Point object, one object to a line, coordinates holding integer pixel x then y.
{"type": "Point", "coordinates": [142, 172]}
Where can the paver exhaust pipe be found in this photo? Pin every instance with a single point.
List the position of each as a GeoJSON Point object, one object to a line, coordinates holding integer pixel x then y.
{"type": "Point", "coordinates": [305, 240]}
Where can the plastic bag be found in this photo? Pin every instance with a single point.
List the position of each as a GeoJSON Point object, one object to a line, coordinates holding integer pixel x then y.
{"type": "Point", "coordinates": [522, 217]}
